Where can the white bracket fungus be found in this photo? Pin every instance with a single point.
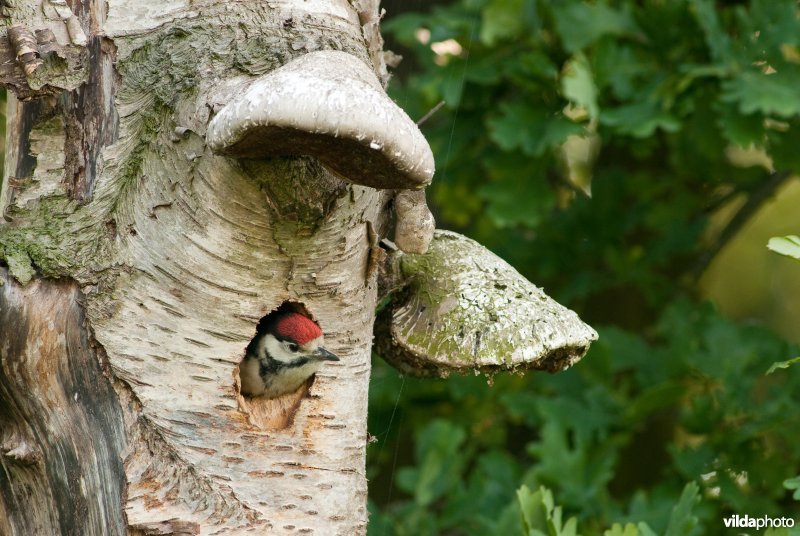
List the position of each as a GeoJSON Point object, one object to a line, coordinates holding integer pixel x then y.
{"type": "Point", "coordinates": [330, 105]}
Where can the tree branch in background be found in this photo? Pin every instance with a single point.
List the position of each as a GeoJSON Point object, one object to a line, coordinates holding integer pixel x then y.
{"type": "Point", "coordinates": [757, 198]}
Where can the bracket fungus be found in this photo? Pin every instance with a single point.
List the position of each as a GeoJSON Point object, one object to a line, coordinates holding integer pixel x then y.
{"type": "Point", "coordinates": [330, 105]}
{"type": "Point", "coordinates": [459, 308]}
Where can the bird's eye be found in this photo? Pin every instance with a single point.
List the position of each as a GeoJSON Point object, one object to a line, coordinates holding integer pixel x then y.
{"type": "Point", "coordinates": [293, 347]}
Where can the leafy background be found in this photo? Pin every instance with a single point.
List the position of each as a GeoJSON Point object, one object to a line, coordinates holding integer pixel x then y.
{"type": "Point", "coordinates": [613, 152]}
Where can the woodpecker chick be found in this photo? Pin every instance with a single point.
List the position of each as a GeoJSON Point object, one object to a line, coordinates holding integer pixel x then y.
{"type": "Point", "coordinates": [282, 356]}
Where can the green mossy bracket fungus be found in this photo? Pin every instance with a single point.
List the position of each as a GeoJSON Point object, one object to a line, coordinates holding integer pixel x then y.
{"type": "Point", "coordinates": [461, 308]}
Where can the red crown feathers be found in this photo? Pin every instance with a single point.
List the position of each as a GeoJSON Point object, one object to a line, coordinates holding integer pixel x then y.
{"type": "Point", "coordinates": [297, 328]}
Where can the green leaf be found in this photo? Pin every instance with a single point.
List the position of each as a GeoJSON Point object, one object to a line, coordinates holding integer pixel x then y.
{"type": "Point", "coordinates": [518, 194]}
{"type": "Point", "coordinates": [744, 130]}
{"type": "Point", "coordinates": [581, 24]}
{"type": "Point", "coordinates": [693, 460]}
{"type": "Point", "coordinates": [379, 523]}
{"type": "Point", "coordinates": [645, 530]}
{"type": "Point", "coordinates": [618, 530]}
{"type": "Point", "coordinates": [578, 466]}
{"type": "Point", "coordinates": [785, 245]}
{"type": "Point", "coordinates": [531, 129]}
{"type": "Point", "coordinates": [439, 458]}
{"type": "Point", "coordinates": [681, 521]}
{"type": "Point", "coordinates": [523, 203]}
{"type": "Point", "coordinates": [793, 484]}
{"type": "Point", "coordinates": [484, 70]}
{"type": "Point", "coordinates": [783, 364]}
{"type": "Point", "coordinates": [533, 508]}
{"type": "Point", "coordinates": [521, 405]}
{"type": "Point", "coordinates": [406, 478]}
{"type": "Point", "coordinates": [717, 40]}
{"type": "Point", "coordinates": [492, 484]}
{"type": "Point", "coordinates": [617, 69]}
{"type": "Point", "coordinates": [578, 84]}
{"type": "Point", "coordinates": [639, 120]}
{"type": "Point", "coordinates": [771, 94]}
{"type": "Point", "coordinates": [774, 25]}
{"type": "Point", "coordinates": [642, 529]}
{"type": "Point", "coordinates": [540, 516]}
{"type": "Point", "coordinates": [529, 66]}
{"type": "Point", "coordinates": [451, 86]}
{"type": "Point", "coordinates": [655, 398]}
{"type": "Point", "coordinates": [502, 19]}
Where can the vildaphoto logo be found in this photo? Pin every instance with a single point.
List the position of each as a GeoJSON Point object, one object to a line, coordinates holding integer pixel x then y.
{"type": "Point", "coordinates": [764, 522]}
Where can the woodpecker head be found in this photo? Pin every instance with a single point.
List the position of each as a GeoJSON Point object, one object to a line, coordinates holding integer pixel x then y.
{"type": "Point", "coordinates": [284, 354]}
{"type": "Point", "coordinates": [292, 339]}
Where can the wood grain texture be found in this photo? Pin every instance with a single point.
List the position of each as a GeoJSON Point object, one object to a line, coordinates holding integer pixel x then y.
{"type": "Point", "coordinates": [61, 426]}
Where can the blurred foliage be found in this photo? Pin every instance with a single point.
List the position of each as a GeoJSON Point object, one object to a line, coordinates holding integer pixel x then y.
{"type": "Point", "coordinates": [670, 423]}
{"type": "Point", "coordinates": [745, 280]}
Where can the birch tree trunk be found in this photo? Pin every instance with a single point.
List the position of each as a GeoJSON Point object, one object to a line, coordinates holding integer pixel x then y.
{"type": "Point", "coordinates": [140, 263]}
{"type": "Point", "coordinates": [176, 171]}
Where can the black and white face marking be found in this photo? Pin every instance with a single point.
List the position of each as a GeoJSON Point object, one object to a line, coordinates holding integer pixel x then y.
{"type": "Point", "coordinates": [287, 352]}
{"type": "Point", "coordinates": [278, 367]}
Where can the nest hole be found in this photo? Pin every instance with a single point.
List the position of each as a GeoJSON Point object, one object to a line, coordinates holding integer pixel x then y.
{"type": "Point", "coordinates": [272, 413]}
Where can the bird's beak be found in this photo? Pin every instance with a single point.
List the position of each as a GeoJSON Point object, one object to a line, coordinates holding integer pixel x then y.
{"type": "Point", "coordinates": [323, 355]}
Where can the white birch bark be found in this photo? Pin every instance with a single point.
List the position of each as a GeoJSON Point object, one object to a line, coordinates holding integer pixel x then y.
{"type": "Point", "coordinates": [177, 253]}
